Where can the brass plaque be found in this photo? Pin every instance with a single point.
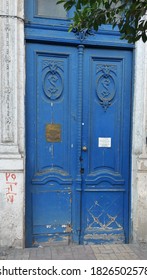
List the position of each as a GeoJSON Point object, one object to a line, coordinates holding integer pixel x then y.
{"type": "Point", "coordinates": [53, 133]}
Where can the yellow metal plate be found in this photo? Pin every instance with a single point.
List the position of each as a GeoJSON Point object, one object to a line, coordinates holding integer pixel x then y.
{"type": "Point", "coordinates": [53, 133]}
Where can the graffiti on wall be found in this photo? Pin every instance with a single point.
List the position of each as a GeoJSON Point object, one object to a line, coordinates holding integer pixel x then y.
{"type": "Point", "coordinates": [11, 186]}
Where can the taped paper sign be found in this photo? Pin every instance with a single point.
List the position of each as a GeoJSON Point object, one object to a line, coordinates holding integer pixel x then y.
{"type": "Point", "coordinates": [104, 142]}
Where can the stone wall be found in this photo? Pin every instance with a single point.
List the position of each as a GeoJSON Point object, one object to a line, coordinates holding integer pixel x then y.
{"type": "Point", "coordinates": [139, 147]}
{"type": "Point", "coordinates": [12, 83]}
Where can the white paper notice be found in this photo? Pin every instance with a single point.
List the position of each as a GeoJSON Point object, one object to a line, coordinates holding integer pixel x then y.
{"type": "Point", "coordinates": [104, 142]}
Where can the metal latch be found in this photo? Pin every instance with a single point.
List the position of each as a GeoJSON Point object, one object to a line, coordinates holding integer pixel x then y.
{"type": "Point", "coordinates": [82, 170]}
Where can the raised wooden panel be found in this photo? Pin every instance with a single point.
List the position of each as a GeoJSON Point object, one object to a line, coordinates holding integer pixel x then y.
{"type": "Point", "coordinates": [52, 108]}
{"type": "Point", "coordinates": [103, 218]}
{"type": "Point", "coordinates": [106, 115]}
{"type": "Point", "coordinates": [55, 214]}
{"type": "Point", "coordinates": [105, 118]}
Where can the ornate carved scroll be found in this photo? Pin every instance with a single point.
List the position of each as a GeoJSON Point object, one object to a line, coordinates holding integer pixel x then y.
{"type": "Point", "coordinates": [53, 81]}
{"type": "Point", "coordinates": [106, 84]}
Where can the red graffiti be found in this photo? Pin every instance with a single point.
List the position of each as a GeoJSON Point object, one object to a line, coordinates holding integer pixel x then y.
{"type": "Point", "coordinates": [10, 176]}
{"type": "Point", "coordinates": [11, 184]}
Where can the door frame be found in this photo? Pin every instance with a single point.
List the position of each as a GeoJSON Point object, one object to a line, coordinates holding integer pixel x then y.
{"type": "Point", "coordinates": [79, 187]}
{"type": "Point", "coordinates": [39, 32]}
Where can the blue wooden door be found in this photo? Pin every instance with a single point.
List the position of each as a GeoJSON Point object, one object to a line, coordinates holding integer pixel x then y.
{"type": "Point", "coordinates": [78, 144]}
{"type": "Point", "coordinates": [106, 146]}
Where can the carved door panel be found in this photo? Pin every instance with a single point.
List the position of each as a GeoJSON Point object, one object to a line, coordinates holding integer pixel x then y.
{"type": "Point", "coordinates": [78, 137]}
{"type": "Point", "coordinates": [51, 143]}
{"type": "Point", "coordinates": [106, 134]}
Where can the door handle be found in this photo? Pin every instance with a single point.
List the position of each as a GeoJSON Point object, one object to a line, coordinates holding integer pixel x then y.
{"type": "Point", "coordinates": [84, 149]}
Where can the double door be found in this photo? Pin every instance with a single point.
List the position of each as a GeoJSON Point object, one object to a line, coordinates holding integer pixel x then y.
{"type": "Point", "coordinates": [78, 112]}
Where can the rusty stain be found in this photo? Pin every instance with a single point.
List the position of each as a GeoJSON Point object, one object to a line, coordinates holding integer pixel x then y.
{"type": "Point", "coordinates": [68, 228]}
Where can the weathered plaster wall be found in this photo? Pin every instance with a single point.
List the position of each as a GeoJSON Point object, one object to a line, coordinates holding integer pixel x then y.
{"type": "Point", "coordinates": [12, 82]}
{"type": "Point", "coordinates": [139, 147]}
{"type": "Point", "coordinates": [11, 208]}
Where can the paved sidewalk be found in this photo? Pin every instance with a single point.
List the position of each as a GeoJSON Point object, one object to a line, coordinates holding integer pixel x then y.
{"type": "Point", "coordinates": [78, 252]}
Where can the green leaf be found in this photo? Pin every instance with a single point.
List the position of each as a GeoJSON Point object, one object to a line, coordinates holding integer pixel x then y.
{"type": "Point", "coordinates": [126, 14]}
{"type": "Point", "coordinates": [60, 1]}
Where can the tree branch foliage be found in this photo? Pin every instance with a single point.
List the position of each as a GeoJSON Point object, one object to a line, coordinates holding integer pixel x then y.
{"type": "Point", "coordinates": [129, 16]}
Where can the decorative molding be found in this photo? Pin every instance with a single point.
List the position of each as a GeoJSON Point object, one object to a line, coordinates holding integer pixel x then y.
{"type": "Point", "coordinates": [53, 81]}
{"type": "Point", "coordinates": [10, 164]}
{"type": "Point", "coordinates": [6, 90]}
{"type": "Point", "coordinates": [106, 84]}
{"type": "Point", "coordinates": [83, 34]}
{"type": "Point", "coordinates": [80, 97]}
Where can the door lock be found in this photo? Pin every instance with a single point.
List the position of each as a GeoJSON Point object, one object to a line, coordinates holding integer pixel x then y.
{"type": "Point", "coordinates": [84, 148]}
{"type": "Point", "coordinates": [82, 170]}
